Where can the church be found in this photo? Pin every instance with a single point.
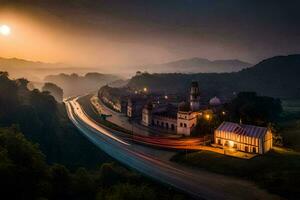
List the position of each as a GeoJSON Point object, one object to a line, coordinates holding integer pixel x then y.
{"type": "Point", "coordinates": [179, 120]}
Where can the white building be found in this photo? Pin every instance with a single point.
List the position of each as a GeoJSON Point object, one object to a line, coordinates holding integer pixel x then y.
{"type": "Point", "coordinates": [181, 121]}
{"type": "Point", "coordinates": [243, 137]}
{"type": "Point", "coordinates": [186, 121]}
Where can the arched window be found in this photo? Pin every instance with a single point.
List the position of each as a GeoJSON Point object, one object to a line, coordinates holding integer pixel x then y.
{"type": "Point", "coordinates": [184, 125]}
{"type": "Point", "coordinates": [172, 127]}
{"type": "Point", "coordinates": [180, 124]}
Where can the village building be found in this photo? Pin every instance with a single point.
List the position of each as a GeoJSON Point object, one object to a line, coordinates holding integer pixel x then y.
{"type": "Point", "coordinates": [181, 119]}
{"type": "Point", "coordinates": [161, 116]}
{"type": "Point", "coordinates": [135, 106]}
{"type": "Point", "coordinates": [247, 138]}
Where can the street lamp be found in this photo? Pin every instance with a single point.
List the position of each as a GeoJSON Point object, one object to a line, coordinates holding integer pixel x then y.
{"type": "Point", "coordinates": [145, 89]}
{"type": "Point", "coordinates": [207, 117]}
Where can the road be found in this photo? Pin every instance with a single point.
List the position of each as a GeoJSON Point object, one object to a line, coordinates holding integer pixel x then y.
{"type": "Point", "coordinates": [122, 120]}
{"type": "Point", "coordinates": [199, 184]}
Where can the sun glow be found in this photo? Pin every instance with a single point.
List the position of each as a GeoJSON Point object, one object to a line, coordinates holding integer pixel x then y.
{"type": "Point", "coordinates": [5, 30]}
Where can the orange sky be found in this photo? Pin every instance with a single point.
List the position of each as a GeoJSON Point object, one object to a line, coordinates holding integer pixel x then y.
{"type": "Point", "coordinates": [113, 35]}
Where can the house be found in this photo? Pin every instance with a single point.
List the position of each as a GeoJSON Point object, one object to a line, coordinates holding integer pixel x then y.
{"type": "Point", "coordinates": [247, 138]}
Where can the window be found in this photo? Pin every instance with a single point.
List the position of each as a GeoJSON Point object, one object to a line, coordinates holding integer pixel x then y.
{"type": "Point", "coordinates": [247, 149]}
{"type": "Point", "coordinates": [184, 125]}
{"type": "Point", "coordinates": [180, 124]}
{"type": "Point", "coordinates": [235, 146]}
{"type": "Point", "coordinates": [219, 141]}
{"type": "Point", "coordinates": [167, 125]}
{"type": "Point", "coordinates": [172, 127]}
{"type": "Point", "coordinates": [162, 124]}
{"type": "Point", "coordinates": [254, 150]}
{"type": "Point", "coordinates": [226, 143]}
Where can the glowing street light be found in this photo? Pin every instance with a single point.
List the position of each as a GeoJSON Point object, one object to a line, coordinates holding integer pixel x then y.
{"type": "Point", "coordinates": [166, 97]}
{"type": "Point", "coordinates": [145, 89]}
{"type": "Point", "coordinates": [207, 116]}
{"type": "Point", "coordinates": [223, 113]}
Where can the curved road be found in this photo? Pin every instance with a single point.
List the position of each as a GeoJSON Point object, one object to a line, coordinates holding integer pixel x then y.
{"type": "Point", "coordinates": [200, 184]}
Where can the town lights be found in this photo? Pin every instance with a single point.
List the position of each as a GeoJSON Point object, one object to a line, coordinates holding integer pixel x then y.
{"type": "Point", "coordinates": [145, 89]}
{"type": "Point", "coordinates": [207, 116]}
{"type": "Point", "coordinates": [166, 97]}
{"type": "Point", "coordinates": [230, 143]}
{"type": "Point", "coordinates": [223, 113]}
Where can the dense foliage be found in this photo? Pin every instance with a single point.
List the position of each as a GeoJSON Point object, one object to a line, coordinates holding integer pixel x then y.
{"type": "Point", "coordinates": [44, 121]}
{"type": "Point", "coordinates": [250, 108]}
{"type": "Point", "coordinates": [25, 175]}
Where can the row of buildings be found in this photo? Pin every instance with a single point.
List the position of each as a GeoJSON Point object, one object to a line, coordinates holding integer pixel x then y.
{"type": "Point", "coordinates": [164, 112]}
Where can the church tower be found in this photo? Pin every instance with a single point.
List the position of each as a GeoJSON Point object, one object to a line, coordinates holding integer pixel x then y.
{"type": "Point", "coordinates": [195, 96]}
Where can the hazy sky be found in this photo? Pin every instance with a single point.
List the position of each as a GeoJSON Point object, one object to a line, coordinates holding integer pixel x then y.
{"type": "Point", "coordinates": [138, 32]}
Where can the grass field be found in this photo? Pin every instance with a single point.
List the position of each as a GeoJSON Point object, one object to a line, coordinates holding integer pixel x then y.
{"type": "Point", "coordinates": [290, 123]}
{"type": "Point", "coordinates": [291, 105]}
{"type": "Point", "coordinates": [278, 171]}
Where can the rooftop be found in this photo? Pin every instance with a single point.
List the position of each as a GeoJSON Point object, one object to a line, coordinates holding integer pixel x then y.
{"type": "Point", "coordinates": [243, 129]}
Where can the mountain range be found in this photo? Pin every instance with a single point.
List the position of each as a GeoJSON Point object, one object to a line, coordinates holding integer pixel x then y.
{"type": "Point", "coordinates": [277, 76]}
{"type": "Point", "coordinates": [199, 65]}
{"type": "Point", "coordinates": [36, 70]}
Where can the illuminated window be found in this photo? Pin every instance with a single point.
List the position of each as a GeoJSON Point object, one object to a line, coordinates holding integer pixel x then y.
{"type": "Point", "coordinates": [226, 143]}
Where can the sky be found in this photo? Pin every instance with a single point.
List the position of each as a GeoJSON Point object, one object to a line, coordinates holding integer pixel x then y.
{"type": "Point", "coordinates": [120, 33]}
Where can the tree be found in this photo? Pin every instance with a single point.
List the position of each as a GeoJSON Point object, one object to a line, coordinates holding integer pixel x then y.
{"type": "Point", "coordinates": [253, 109]}
{"type": "Point", "coordinates": [54, 90]}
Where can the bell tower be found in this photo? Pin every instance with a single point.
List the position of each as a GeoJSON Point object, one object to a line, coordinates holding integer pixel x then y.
{"type": "Point", "coordinates": [195, 96]}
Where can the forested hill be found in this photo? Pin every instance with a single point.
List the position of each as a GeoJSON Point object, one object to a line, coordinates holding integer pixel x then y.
{"type": "Point", "coordinates": [44, 121]}
{"type": "Point", "coordinates": [196, 65]}
{"type": "Point", "coordinates": [277, 77]}
{"type": "Point", "coordinates": [75, 84]}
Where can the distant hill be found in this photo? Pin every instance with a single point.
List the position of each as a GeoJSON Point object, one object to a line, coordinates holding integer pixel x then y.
{"type": "Point", "coordinates": [35, 70]}
{"type": "Point", "coordinates": [199, 65]}
{"type": "Point", "coordinates": [277, 77]}
{"type": "Point", "coordinates": [75, 84]}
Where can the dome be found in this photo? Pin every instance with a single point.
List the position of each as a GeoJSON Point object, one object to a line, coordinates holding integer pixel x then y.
{"type": "Point", "coordinates": [215, 101]}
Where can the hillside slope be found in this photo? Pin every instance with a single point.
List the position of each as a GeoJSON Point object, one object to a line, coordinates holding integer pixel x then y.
{"type": "Point", "coordinates": [76, 85]}
{"type": "Point", "coordinates": [200, 65]}
{"type": "Point", "coordinates": [277, 76]}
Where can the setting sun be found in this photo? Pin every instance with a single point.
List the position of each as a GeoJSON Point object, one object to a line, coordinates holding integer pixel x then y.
{"type": "Point", "coordinates": [5, 30]}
